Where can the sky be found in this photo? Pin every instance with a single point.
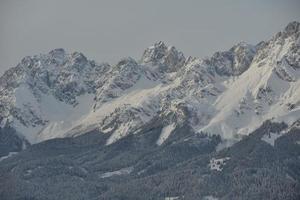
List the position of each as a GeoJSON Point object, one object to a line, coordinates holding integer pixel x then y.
{"type": "Point", "coordinates": [108, 30]}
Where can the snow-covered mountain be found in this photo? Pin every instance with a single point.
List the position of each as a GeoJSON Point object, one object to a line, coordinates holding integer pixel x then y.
{"type": "Point", "coordinates": [229, 94]}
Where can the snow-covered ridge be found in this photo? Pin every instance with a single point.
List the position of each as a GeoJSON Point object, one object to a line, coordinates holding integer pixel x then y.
{"type": "Point", "coordinates": [62, 94]}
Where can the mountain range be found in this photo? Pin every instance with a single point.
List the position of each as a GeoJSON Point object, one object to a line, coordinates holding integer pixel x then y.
{"type": "Point", "coordinates": [166, 126]}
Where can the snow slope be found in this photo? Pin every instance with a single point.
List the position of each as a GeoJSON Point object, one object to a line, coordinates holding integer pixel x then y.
{"type": "Point", "coordinates": [265, 91]}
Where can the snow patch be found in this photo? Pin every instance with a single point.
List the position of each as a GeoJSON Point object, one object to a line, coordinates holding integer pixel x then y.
{"type": "Point", "coordinates": [217, 164]}
{"type": "Point", "coordinates": [121, 131]}
{"type": "Point", "coordinates": [123, 171]}
{"type": "Point", "coordinates": [171, 198]}
{"type": "Point", "coordinates": [10, 154]}
{"type": "Point", "coordinates": [165, 133]}
{"type": "Point", "coordinates": [271, 138]}
{"type": "Point", "coordinates": [28, 172]}
{"type": "Point", "coordinates": [210, 198]}
{"type": "Point", "coordinates": [3, 123]}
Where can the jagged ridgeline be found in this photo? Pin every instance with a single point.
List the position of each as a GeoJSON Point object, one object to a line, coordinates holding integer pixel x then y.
{"type": "Point", "coordinates": [154, 128]}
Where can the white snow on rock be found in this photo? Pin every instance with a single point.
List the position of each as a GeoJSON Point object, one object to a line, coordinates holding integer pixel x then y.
{"type": "Point", "coordinates": [123, 171]}
{"type": "Point", "coordinates": [217, 164]}
{"type": "Point", "coordinates": [165, 133]}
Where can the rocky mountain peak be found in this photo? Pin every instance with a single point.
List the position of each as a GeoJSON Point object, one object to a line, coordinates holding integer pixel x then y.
{"type": "Point", "coordinates": [57, 52]}
{"type": "Point", "coordinates": [289, 34]}
{"type": "Point", "coordinates": [126, 61]}
{"type": "Point", "coordinates": [286, 43]}
{"type": "Point", "coordinates": [168, 58]}
{"type": "Point", "coordinates": [292, 28]}
{"type": "Point", "coordinates": [78, 59]}
{"type": "Point", "coordinates": [233, 62]}
{"type": "Point", "coordinates": [155, 52]}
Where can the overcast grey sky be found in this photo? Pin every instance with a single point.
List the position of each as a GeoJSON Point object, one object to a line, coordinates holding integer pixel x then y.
{"type": "Point", "coordinates": [106, 30]}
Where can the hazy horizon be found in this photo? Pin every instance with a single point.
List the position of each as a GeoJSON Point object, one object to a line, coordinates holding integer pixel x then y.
{"type": "Point", "coordinates": [109, 30]}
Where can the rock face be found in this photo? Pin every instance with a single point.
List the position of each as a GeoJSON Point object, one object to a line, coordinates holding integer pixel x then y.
{"type": "Point", "coordinates": [233, 62]}
{"type": "Point", "coordinates": [168, 59]}
{"type": "Point", "coordinates": [232, 93]}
